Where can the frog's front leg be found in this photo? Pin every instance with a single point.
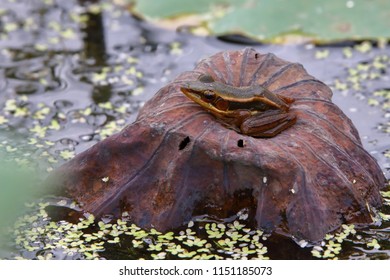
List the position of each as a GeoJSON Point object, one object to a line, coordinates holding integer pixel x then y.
{"type": "Point", "coordinates": [268, 123]}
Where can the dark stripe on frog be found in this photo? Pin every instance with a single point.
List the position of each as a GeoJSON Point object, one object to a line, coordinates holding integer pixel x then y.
{"type": "Point", "coordinates": [245, 94]}
{"type": "Point", "coordinates": [254, 105]}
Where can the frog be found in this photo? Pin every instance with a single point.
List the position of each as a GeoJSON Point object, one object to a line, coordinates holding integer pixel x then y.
{"type": "Point", "coordinates": [250, 110]}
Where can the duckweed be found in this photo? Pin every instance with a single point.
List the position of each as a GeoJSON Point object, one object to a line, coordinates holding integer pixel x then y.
{"type": "Point", "coordinates": [90, 239]}
{"type": "Point", "coordinates": [372, 71]}
{"type": "Point", "coordinates": [385, 194]}
{"type": "Point", "coordinates": [364, 47]}
{"type": "Point", "coordinates": [347, 52]}
{"type": "Point", "coordinates": [374, 244]}
{"type": "Point", "coordinates": [332, 244]}
{"type": "Point", "coordinates": [66, 154]}
{"type": "Point", "coordinates": [322, 54]}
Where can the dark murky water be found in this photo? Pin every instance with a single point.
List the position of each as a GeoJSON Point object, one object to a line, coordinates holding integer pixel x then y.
{"type": "Point", "coordinates": [71, 75]}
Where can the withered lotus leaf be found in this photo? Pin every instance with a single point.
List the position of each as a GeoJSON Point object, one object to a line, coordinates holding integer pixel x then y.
{"type": "Point", "coordinates": [177, 160]}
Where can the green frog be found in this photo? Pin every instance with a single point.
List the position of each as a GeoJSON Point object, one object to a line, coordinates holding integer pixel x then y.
{"type": "Point", "coordinates": [251, 110]}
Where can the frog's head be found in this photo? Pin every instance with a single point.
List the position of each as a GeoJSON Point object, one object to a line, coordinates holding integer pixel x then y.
{"type": "Point", "coordinates": [207, 93]}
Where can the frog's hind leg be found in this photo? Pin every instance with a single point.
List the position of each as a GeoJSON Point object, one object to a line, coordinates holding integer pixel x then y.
{"type": "Point", "coordinates": [267, 124]}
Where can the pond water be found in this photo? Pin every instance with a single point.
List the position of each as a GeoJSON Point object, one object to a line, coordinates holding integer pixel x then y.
{"type": "Point", "coordinates": [73, 74]}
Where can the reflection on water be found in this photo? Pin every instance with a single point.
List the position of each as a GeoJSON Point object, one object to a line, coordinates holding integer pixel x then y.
{"type": "Point", "coordinates": [73, 74]}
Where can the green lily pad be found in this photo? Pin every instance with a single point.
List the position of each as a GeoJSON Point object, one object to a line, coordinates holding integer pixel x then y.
{"type": "Point", "coordinates": [273, 21]}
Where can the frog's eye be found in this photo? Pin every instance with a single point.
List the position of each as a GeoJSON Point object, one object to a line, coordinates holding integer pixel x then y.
{"type": "Point", "coordinates": [209, 95]}
{"type": "Point", "coordinates": [205, 78]}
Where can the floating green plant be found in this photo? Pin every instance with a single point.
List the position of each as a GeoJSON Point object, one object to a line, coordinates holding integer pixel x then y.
{"type": "Point", "coordinates": [322, 54]}
{"type": "Point", "coordinates": [332, 245]}
{"type": "Point", "coordinates": [90, 238]}
{"type": "Point", "coordinates": [372, 70]}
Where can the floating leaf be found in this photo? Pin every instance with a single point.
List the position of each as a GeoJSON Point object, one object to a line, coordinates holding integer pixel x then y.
{"type": "Point", "coordinates": [278, 19]}
{"type": "Point", "coordinates": [374, 244]}
{"type": "Point", "coordinates": [66, 154]}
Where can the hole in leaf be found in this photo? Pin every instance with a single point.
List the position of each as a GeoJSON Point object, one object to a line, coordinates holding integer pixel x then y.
{"type": "Point", "coordinates": [184, 143]}
{"type": "Point", "coordinates": [240, 143]}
